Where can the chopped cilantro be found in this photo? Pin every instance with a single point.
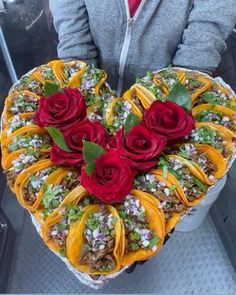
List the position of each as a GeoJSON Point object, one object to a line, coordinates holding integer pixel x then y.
{"type": "Point", "coordinates": [135, 236]}
{"type": "Point", "coordinates": [136, 182]}
{"type": "Point", "coordinates": [92, 222]}
{"type": "Point", "coordinates": [114, 220]}
{"type": "Point", "coordinates": [154, 241]}
{"type": "Point", "coordinates": [135, 246]}
{"type": "Point", "coordinates": [172, 187]}
{"type": "Point", "coordinates": [142, 215]}
{"type": "Point", "coordinates": [86, 246]}
{"type": "Point", "coordinates": [62, 252]}
{"type": "Point", "coordinates": [61, 226]}
{"type": "Point", "coordinates": [200, 184]}
{"type": "Point", "coordinates": [122, 214]}
{"type": "Point", "coordinates": [165, 171]}
{"type": "Point", "coordinates": [86, 201]}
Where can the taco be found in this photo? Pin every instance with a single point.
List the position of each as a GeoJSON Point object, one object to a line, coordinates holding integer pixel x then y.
{"type": "Point", "coordinates": [218, 115]}
{"type": "Point", "coordinates": [217, 95]}
{"type": "Point", "coordinates": [69, 72]}
{"type": "Point", "coordinates": [98, 105]}
{"type": "Point", "coordinates": [65, 220]}
{"type": "Point", "coordinates": [18, 103]}
{"type": "Point", "coordinates": [26, 137]}
{"type": "Point", "coordinates": [208, 161]}
{"type": "Point", "coordinates": [95, 112]}
{"type": "Point", "coordinates": [196, 84]}
{"type": "Point", "coordinates": [137, 105]}
{"type": "Point", "coordinates": [20, 160]}
{"type": "Point", "coordinates": [91, 81]}
{"type": "Point", "coordinates": [167, 78]}
{"type": "Point", "coordinates": [148, 91]}
{"type": "Point", "coordinates": [46, 73]}
{"type": "Point", "coordinates": [30, 181]}
{"type": "Point", "coordinates": [15, 123]}
{"type": "Point", "coordinates": [96, 245]}
{"type": "Point", "coordinates": [58, 186]}
{"type": "Point", "coordinates": [31, 83]}
{"type": "Point", "coordinates": [144, 227]}
{"type": "Point", "coordinates": [165, 192]}
{"type": "Point", "coordinates": [116, 114]}
{"type": "Point", "coordinates": [181, 172]}
{"type": "Point", "coordinates": [107, 95]}
{"type": "Point", "coordinates": [217, 136]}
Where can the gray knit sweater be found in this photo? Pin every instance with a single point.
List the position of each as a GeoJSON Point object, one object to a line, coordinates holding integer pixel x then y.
{"type": "Point", "coordinates": [187, 33]}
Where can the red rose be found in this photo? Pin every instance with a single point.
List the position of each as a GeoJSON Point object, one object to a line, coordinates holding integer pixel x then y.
{"type": "Point", "coordinates": [74, 135]}
{"type": "Point", "coordinates": [169, 119]}
{"type": "Point", "coordinates": [62, 157]}
{"type": "Point", "coordinates": [61, 109]}
{"type": "Point", "coordinates": [111, 180]}
{"type": "Point", "coordinates": [112, 143]}
{"type": "Point", "coordinates": [141, 147]}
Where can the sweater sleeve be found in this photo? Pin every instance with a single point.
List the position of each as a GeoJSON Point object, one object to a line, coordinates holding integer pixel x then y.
{"type": "Point", "coordinates": [210, 23]}
{"type": "Point", "coordinates": [71, 22]}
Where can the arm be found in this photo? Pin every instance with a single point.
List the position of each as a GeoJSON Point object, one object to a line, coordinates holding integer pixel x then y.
{"type": "Point", "coordinates": [72, 25]}
{"type": "Point", "coordinates": [210, 23]}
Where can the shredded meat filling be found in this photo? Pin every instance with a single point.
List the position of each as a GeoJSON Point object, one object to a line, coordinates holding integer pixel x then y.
{"type": "Point", "coordinates": [173, 204]}
{"type": "Point", "coordinates": [11, 177]}
{"type": "Point", "coordinates": [201, 159]}
{"type": "Point", "coordinates": [60, 238]}
{"type": "Point", "coordinates": [29, 196]}
{"type": "Point", "coordinates": [71, 182]}
{"type": "Point", "coordinates": [98, 254]}
{"type": "Point", "coordinates": [136, 101]}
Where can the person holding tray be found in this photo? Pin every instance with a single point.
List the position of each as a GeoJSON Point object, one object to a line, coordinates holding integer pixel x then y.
{"type": "Point", "coordinates": [129, 37]}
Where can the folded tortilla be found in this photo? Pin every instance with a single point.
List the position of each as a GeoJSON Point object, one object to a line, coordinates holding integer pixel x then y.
{"type": "Point", "coordinates": [7, 114]}
{"type": "Point", "coordinates": [24, 131]}
{"type": "Point", "coordinates": [214, 157]}
{"type": "Point", "coordinates": [60, 215]}
{"type": "Point", "coordinates": [155, 223]}
{"type": "Point", "coordinates": [76, 241]}
{"type": "Point", "coordinates": [23, 179]}
{"type": "Point", "coordinates": [226, 118]}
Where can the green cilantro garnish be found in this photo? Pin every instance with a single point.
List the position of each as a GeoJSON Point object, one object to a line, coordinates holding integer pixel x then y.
{"type": "Point", "coordinates": [135, 246]}
{"type": "Point", "coordinates": [165, 171]}
{"type": "Point", "coordinates": [154, 241]}
{"type": "Point", "coordinates": [62, 252]}
{"type": "Point", "coordinates": [172, 187]}
{"type": "Point", "coordinates": [114, 220]}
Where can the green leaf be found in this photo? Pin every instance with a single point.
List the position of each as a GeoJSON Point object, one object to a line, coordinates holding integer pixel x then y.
{"type": "Point", "coordinates": [130, 122]}
{"type": "Point", "coordinates": [181, 96]}
{"type": "Point", "coordinates": [89, 168]}
{"type": "Point", "coordinates": [58, 138]}
{"type": "Point", "coordinates": [50, 88]}
{"type": "Point", "coordinates": [91, 151]}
